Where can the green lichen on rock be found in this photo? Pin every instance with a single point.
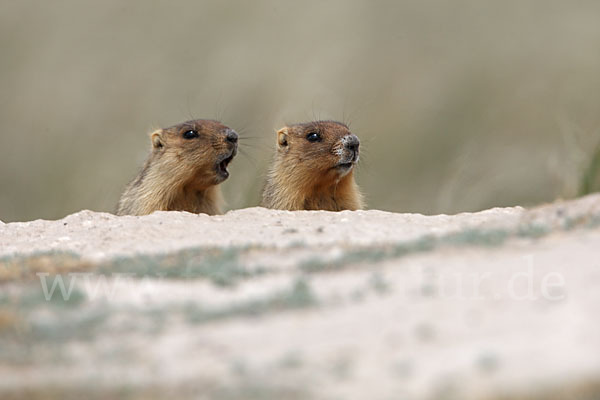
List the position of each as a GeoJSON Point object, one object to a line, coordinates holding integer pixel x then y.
{"type": "Point", "coordinates": [222, 267]}
{"type": "Point", "coordinates": [298, 296]}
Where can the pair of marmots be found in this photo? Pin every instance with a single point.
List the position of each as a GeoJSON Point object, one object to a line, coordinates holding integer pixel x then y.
{"type": "Point", "coordinates": [312, 170]}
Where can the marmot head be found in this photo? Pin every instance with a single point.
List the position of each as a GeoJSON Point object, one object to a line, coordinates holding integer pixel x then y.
{"type": "Point", "coordinates": [322, 151]}
{"type": "Point", "coordinates": [197, 151]}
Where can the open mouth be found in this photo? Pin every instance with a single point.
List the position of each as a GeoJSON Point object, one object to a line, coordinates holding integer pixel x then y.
{"type": "Point", "coordinates": [223, 163]}
{"type": "Point", "coordinates": [347, 165]}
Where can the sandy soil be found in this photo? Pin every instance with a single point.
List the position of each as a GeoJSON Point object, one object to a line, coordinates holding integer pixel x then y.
{"type": "Point", "coordinates": [262, 304]}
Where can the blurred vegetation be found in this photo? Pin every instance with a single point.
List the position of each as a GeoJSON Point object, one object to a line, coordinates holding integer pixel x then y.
{"type": "Point", "coordinates": [591, 176]}
{"type": "Point", "coordinates": [460, 105]}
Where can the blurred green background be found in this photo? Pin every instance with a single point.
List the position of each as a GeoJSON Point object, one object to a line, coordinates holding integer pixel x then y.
{"type": "Point", "coordinates": [460, 105]}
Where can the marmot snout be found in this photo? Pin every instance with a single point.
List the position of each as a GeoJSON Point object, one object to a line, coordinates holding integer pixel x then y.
{"type": "Point", "coordinates": [313, 168]}
{"type": "Point", "coordinates": [185, 165]}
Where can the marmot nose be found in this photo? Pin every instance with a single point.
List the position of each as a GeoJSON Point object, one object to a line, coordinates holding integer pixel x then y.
{"type": "Point", "coordinates": [351, 142]}
{"type": "Point", "coordinates": [231, 136]}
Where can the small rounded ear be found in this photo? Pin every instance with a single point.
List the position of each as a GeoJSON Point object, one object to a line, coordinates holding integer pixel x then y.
{"type": "Point", "coordinates": [282, 137]}
{"type": "Point", "coordinates": [157, 139]}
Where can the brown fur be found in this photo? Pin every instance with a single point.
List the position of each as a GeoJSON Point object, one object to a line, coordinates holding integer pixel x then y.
{"type": "Point", "coordinates": [307, 175]}
{"type": "Point", "coordinates": [181, 174]}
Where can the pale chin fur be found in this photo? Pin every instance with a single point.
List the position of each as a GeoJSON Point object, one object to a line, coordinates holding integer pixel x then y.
{"type": "Point", "coordinates": [345, 172]}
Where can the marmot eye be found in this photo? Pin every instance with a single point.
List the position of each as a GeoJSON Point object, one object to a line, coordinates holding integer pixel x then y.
{"type": "Point", "coordinates": [313, 137]}
{"type": "Point", "coordinates": [191, 134]}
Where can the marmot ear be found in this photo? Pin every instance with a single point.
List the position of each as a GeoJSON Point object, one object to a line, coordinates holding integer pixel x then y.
{"type": "Point", "coordinates": [157, 139]}
{"type": "Point", "coordinates": [282, 137]}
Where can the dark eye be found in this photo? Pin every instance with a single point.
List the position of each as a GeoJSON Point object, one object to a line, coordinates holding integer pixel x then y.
{"type": "Point", "coordinates": [313, 137]}
{"type": "Point", "coordinates": [191, 134]}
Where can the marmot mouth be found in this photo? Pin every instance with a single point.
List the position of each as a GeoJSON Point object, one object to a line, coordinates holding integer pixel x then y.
{"type": "Point", "coordinates": [222, 165]}
{"type": "Point", "coordinates": [345, 166]}
{"type": "Point", "coordinates": [348, 164]}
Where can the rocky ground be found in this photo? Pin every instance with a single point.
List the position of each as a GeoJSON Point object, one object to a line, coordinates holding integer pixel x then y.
{"type": "Point", "coordinates": [263, 304]}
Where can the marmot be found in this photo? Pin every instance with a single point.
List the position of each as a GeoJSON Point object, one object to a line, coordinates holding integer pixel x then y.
{"type": "Point", "coordinates": [313, 168]}
{"type": "Point", "coordinates": [185, 165]}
